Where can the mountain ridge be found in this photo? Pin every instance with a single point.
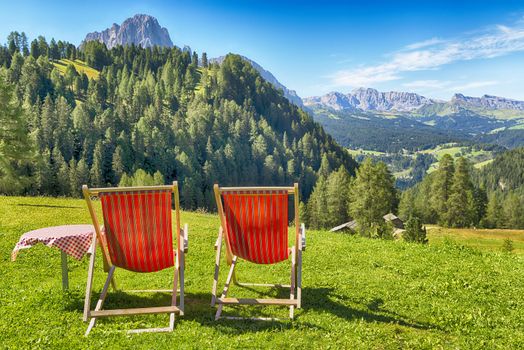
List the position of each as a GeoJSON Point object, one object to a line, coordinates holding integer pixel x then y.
{"type": "Point", "coordinates": [368, 99]}
{"type": "Point", "coordinates": [141, 30]}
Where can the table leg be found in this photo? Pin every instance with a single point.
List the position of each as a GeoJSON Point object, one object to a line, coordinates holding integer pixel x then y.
{"type": "Point", "coordinates": [65, 277]}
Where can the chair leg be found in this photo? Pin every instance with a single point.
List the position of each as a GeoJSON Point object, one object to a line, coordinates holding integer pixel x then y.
{"type": "Point", "coordinates": [101, 299]}
{"type": "Point", "coordinates": [293, 281]}
{"type": "Point", "coordinates": [217, 268]}
{"type": "Point", "coordinates": [89, 286]}
{"type": "Point", "coordinates": [173, 297]}
{"type": "Point", "coordinates": [181, 269]}
{"type": "Point", "coordinates": [113, 284]}
{"type": "Point", "coordinates": [299, 278]}
{"type": "Point", "coordinates": [226, 286]}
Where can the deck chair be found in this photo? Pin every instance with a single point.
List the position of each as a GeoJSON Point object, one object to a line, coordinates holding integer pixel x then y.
{"type": "Point", "coordinates": [136, 236]}
{"type": "Point", "coordinates": [254, 225]}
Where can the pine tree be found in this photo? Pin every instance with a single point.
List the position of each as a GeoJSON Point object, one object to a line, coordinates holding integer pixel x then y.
{"type": "Point", "coordinates": [325, 167]}
{"type": "Point", "coordinates": [74, 181]}
{"type": "Point", "coordinates": [406, 208]}
{"type": "Point", "coordinates": [24, 44]}
{"type": "Point", "coordinates": [337, 192]}
{"type": "Point", "coordinates": [414, 231]}
{"type": "Point", "coordinates": [441, 187]}
{"type": "Point", "coordinates": [460, 205]}
{"type": "Point", "coordinates": [61, 170]}
{"type": "Point", "coordinates": [513, 210]}
{"type": "Point", "coordinates": [317, 205]}
{"type": "Point", "coordinates": [158, 178]}
{"type": "Point", "coordinates": [15, 145]}
{"type": "Point", "coordinates": [118, 163]}
{"type": "Point", "coordinates": [97, 175]}
{"type": "Point", "coordinates": [494, 212]}
{"type": "Point", "coordinates": [45, 175]}
{"type": "Point", "coordinates": [373, 195]}
{"type": "Point", "coordinates": [35, 49]}
{"type": "Point", "coordinates": [480, 201]}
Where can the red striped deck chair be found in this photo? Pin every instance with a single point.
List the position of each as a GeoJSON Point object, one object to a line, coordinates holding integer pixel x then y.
{"type": "Point", "coordinates": [137, 236]}
{"type": "Point", "coordinates": [254, 226]}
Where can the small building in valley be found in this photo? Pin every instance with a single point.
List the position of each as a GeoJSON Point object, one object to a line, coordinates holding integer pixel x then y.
{"type": "Point", "coordinates": [351, 226]}
{"type": "Point", "coordinates": [395, 220]}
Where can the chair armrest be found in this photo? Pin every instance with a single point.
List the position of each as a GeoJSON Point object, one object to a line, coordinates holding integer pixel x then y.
{"type": "Point", "coordinates": [186, 238]}
{"type": "Point", "coordinates": [217, 242]}
{"type": "Point", "coordinates": [302, 237]}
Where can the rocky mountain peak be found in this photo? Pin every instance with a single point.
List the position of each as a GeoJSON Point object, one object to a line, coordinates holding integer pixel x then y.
{"type": "Point", "coordinates": [141, 30]}
{"type": "Point", "coordinates": [368, 99]}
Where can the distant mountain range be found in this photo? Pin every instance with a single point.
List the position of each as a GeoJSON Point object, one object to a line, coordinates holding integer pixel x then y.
{"type": "Point", "coordinates": [367, 99]}
{"type": "Point", "coordinates": [394, 121]}
{"type": "Point", "coordinates": [141, 30]}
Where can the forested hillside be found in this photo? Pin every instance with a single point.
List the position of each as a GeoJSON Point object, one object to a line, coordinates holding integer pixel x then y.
{"type": "Point", "coordinates": [161, 111]}
{"type": "Point", "coordinates": [391, 133]}
{"type": "Point", "coordinates": [505, 173]}
{"type": "Point", "coordinates": [460, 196]}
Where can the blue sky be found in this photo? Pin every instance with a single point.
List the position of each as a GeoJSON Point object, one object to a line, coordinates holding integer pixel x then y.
{"type": "Point", "coordinates": [433, 48]}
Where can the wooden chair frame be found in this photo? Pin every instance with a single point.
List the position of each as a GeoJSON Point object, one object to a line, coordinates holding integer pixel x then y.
{"type": "Point", "coordinates": [179, 264]}
{"type": "Point", "coordinates": [295, 296]}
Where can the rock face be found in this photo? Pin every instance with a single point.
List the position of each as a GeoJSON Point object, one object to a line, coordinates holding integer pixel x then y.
{"type": "Point", "coordinates": [291, 95]}
{"type": "Point", "coordinates": [367, 99]}
{"type": "Point", "coordinates": [141, 30]}
{"type": "Point", "coordinates": [487, 102]}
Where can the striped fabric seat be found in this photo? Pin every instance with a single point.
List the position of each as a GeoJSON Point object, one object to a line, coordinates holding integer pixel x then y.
{"type": "Point", "coordinates": [257, 224]}
{"type": "Point", "coordinates": [138, 229]}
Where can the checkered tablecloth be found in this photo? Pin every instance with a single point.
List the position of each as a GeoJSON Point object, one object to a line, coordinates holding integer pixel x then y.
{"type": "Point", "coordinates": [74, 240]}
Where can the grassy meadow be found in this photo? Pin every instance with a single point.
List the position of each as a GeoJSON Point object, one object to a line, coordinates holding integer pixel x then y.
{"type": "Point", "coordinates": [80, 66]}
{"type": "Point", "coordinates": [358, 293]}
{"type": "Point", "coordinates": [483, 239]}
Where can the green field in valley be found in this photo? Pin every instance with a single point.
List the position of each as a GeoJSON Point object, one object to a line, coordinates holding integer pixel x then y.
{"type": "Point", "coordinates": [358, 293]}
{"type": "Point", "coordinates": [478, 158]}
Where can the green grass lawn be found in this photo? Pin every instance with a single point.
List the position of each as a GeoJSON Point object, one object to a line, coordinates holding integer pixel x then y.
{"type": "Point", "coordinates": [358, 293]}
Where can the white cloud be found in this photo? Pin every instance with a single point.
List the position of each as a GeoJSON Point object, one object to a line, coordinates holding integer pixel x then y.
{"type": "Point", "coordinates": [425, 43]}
{"type": "Point", "coordinates": [427, 84]}
{"type": "Point", "coordinates": [472, 85]}
{"type": "Point", "coordinates": [448, 85]}
{"type": "Point", "coordinates": [434, 53]}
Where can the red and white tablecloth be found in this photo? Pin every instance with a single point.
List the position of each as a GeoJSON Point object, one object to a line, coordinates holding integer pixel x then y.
{"type": "Point", "coordinates": [74, 240]}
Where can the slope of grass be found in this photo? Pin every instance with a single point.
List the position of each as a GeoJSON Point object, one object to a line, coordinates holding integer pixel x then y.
{"type": "Point", "coordinates": [80, 66]}
{"type": "Point", "coordinates": [358, 293]}
{"type": "Point", "coordinates": [478, 158]}
{"type": "Point", "coordinates": [478, 238]}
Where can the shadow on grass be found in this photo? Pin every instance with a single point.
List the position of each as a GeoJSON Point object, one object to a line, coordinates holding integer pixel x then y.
{"type": "Point", "coordinates": [198, 309]}
{"type": "Point", "coordinates": [48, 206]}
{"type": "Point", "coordinates": [326, 300]}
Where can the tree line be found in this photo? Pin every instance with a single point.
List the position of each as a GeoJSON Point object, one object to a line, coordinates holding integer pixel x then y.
{"type": "Point", "coordinates": [366, 198]}
{"type": "Point", "coordinates": [457, 195]}
{"type": "Point", "coordinates": [155, 114]}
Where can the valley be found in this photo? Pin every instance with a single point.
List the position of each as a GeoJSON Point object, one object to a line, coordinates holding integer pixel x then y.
{"type": "Point", "coordinates": [409, 167]}
{"type": "Point", "coordinates": [410, 133]}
